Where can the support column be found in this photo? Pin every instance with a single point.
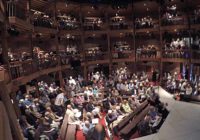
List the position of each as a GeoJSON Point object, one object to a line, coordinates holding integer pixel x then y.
{"type": "Point", "coordinates": [161, 46]}
{"type": "Point", "coordinates": [85, 70]}
{"type": "Point", "coordinates": [110, 54]}
{"type": "Point", "coordinates": [16, 130]}
{"type": "Point", "coordinates": [134, 40]}
{"type": "Point", "coordinates": [58, 48]}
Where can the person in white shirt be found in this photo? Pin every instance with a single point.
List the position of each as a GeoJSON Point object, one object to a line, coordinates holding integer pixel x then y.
{"type": "Point", "coordinates": [59, 101]}
{"type": "Point", "coordinates": [72, 81]}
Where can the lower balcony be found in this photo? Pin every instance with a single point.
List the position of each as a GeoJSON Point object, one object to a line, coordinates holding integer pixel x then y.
{"type": "Point", "coordinates": [21, 24]}
{"type": "Point", "coordinates": [125, 56]}
{"type": "Point", "coordinates": [100, 58]}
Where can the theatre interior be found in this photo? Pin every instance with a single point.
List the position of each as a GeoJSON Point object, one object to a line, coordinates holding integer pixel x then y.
{"type": "Point", "coordinates": [99, 69]}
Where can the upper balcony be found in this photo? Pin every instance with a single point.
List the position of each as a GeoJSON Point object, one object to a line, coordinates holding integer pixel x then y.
{"type": "Point", "coordinates": [43, 23]}
{"type": "Point", "coordinates": [94, 24]}
{"type": "Point", "coordinates": [17, 15]}
{"type": "Point", "coordinates": [146, 24]}
{"type": "Point", "coordinates": [174, 16]}
{"type": "Point", "coordinates": [120, 23]}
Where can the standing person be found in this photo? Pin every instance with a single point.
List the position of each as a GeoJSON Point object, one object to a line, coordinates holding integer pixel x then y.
{"type": "Point", "coordinates": [59, 102]}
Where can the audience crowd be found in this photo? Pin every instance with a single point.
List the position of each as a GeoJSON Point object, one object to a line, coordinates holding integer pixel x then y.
{"type": "Point", "coordinates": [176, 48]}
{"type": "Point", "coordinates": [178, 84]}
{"type": "Point", "coordinates": [145, 22]}
{"type": "Point", "coordinates": [118, 22]}
{"type": "Point", "coordinates": [148, 51]}
{"type": "Point", "coordinates": [67, 22]}
{"type": "Point", "coordinates": [86, 102]}
{"type": "Point", "coordinates": [171, 16]}
{"type": "Point", "coordinates": [42, 20]}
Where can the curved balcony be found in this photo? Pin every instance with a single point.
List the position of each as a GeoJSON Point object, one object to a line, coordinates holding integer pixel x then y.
{"type": "Point", "coordinates": [123, 56]}
{"type": "Point", "coordinates": [150, 55]}
{"type": "Point", "coordinates": [176, 56]}
{"type": "Point", "coordinates": [99, 58]}
{"type": "Point", "coordinates": [175, 23]}
{"type": "Point", "coordinates": [23, 68]}
{"type": "Point", "coordinates": [17, 16]}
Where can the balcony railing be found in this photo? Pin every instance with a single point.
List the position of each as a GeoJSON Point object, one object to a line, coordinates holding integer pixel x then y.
{"type": "Point", "coordinates": [27, 67]}
{"type": "Point", "coordinates": [184, 54]}
{"type": "Point", "coordinates": [123, 54]}
{"type": "Point", "coordinates": [145, 54]}
{"type": "Point", "coordinates": [97, 56]}
{"type": "Point", "coordinates": [179, 20]}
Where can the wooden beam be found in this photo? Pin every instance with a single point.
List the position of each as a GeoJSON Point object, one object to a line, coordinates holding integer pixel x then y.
{"type": "Point", "coordinates": [16, 130]}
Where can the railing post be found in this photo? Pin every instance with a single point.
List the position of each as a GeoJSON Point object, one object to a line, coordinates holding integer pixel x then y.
{"type": "Point", "coordinates": [14, 124]}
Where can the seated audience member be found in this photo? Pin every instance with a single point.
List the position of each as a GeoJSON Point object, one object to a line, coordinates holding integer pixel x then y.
{"type": "Point", "coordinates": [27, 129]}
{"type": "Point", "coordinates": [110, 117]}
{"type": "Point", "coordinates": [95, 110]}
{"type": "Point", "coordinates": [188, 90]}
{"type": "Point", "coordinates": [87, 126]}
{"type": "Point", "coordinates": [59, 102]}
{"type": "Point", "coordinates": [73, 115]}
{"type": "Point", "coordinates": [144, 127]}
{"type": "Point", "coordinates": [98, 133]}
{"type": "Point", "coordinates": [126, 106]}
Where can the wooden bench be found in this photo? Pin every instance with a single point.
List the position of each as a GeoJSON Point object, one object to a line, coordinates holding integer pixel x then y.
{"type": "Point", "coordinates": [132, 125]}
{"type": "Point", "coordinates": [67, 131]}
{"type": "Point", "coordinates": [126, 120]}
{"type": "Point", "coordinates": [190, 98]}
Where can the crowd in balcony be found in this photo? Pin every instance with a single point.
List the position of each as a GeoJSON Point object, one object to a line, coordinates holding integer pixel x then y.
{"type": "Point", "coordinates": [70, 52]}
{"type": "Point", "coordinates": [92, 23]}
{"type": "Point", "coordinates": [43, 20]}
{"type": "Point", "coordinates": [171, 16]}
{"type": "Point", "coordinates": [145, 22]}
{"type": "Point", "coordinates": [179, 84]}
{"type": "Point", "coordinates": [121, 46]}
{"type": "Point", "coordinates": [196, 16]}
{"type": "Point", "coordinates": [67, 22]}
{"type": "Point", "coordinates": [43, 58]}
{"type": "Point", "coordinates": [95, 53]}
{"type": "Point", "coordinates": [146, 51]}
{"type": "Point", "coordinates": [176, 48]}
{"type": "Point", "coordinates": [118, 22]}
{"type": "Point", "coordinates": [13, 57]}
{"type": "Point", "coordinates": [121, 49]}
{"type": "Point", "coordinates": [87, 103]}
